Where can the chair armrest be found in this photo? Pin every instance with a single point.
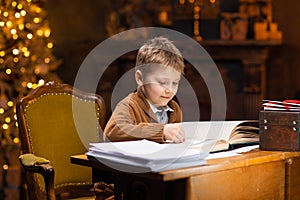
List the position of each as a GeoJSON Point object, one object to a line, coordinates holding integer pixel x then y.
{"type": "Point", "coordinates": [40, 165]}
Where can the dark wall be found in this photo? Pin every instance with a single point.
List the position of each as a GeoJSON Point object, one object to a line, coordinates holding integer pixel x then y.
{"type": "Point", "coordinates": [78, 26]}
{"type": "Point", "coordinates": [283, 68]}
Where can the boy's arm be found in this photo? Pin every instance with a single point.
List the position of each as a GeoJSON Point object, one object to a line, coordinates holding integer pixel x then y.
{"type": "Point", "coordinates": [130, 123]}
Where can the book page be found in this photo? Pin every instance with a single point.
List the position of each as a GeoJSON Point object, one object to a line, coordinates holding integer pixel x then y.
{"type": "Point", "coordinates": [215, 130]}
{"type": "Point", "coordinates": [221, 132]}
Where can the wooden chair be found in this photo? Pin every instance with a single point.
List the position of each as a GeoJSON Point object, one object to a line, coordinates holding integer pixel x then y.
{"type": "Point", "coordinates": [55, 122]}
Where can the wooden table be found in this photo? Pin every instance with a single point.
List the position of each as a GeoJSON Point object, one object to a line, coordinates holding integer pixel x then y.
{"type": "Point", "coordinates": [254, 175]}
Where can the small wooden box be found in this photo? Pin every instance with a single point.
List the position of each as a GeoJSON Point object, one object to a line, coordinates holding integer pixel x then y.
{"type": "Point", "coordinates": [279, 130]}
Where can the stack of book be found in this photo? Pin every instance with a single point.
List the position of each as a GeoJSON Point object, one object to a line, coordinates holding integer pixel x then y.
{"type": "Point", "coordinates": [146, 156]}
{"type": "Point", "coordinates": [286, 105]}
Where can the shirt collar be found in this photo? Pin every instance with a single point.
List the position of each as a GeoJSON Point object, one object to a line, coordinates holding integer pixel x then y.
{"type": "Point", "coordinates": [160, 109]}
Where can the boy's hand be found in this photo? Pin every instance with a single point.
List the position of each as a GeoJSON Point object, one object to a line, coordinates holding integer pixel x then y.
{"type": "Point", "coordinates": [174, 132]}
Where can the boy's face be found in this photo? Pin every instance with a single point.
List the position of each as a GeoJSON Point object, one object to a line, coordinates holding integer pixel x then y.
{"type": "Point", "coordinates": [160, 85]}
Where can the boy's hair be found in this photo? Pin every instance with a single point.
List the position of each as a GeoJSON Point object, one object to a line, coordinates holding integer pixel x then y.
{"type": "Point", "coordinates": [159, 50]}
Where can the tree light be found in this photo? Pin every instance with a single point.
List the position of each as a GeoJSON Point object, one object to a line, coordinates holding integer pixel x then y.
{"type": "Point", "coordinates": [8, 71]}
{"type": "Point", "coordinates": [29, 36]}
{"type": "Point", "coordinates": [15, 51]}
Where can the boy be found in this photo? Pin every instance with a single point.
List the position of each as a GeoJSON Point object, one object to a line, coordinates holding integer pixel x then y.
{"type": "Point", "coordinates": [150, 113]}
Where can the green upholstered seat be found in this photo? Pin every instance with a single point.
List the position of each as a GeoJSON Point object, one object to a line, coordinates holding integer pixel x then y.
{"type": "Point", "coordinates": [57, 121]}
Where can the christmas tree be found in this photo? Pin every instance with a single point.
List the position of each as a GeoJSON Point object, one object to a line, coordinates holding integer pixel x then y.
{"type": "Point", "coordinates": [26, 62]}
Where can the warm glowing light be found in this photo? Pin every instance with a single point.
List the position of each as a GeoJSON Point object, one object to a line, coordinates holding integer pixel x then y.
{"type": "Point", "coordinates": [29, 36]}
{"type": "Point", "coordinates": [8, 71]}
{"type": "Point", "coordinates": [212, 1]}
{"type": "Point", "coordinates": [50, 45]}
{"type": "Point", "coordinates": [2, 53]}
{"type": "Point", "coordinates": [15, 51]}
{"type": "Point", "coordinates": [181, 2]}
{"type": "Point", "coordinates": [24, 84]}
{"type": "Point", "coordinates": [1, 110]}
{"type": "Point", "coordinates": [13, 31]}
{"type": "Point", "coordinates": [5, 14]}
{"type": "Point", "coordinates": [7, 120]}
{"type": "Point", "coordinates": [14, 4]}
{"type": "Point", "coordinates": [8, 23]}
{"type": "Point", "coordinates": [15, 36]}
{"type": "Point", "coordinates": [27, 54]}
{"type": "Point", "coordinates": [16, 59]}
{"type": "Point", "coordinates": [197, 9]}
{"type": "Point", "coordinates": [5, 126]}
{"type": "Point", "coordinates": [27, 25]}
{"type": "Point", "coordinates": [1, 60]}
{"type": "Point", "coordinates": [16, 140]}
{"type": "Point", "coordinates": [34, 86]}
{"type": "Point", "coordinates": [40, 32]}
{"type": "Point", "coordinates": [36, 20]}
{"type": "Point", "coordinates": [17, 15]}
{"type": "Point", "coordinates": [38, 9]}
{"type": "Point", "coordinates": [20, 6]}
{"type": "Point", "coordinates": [47, 60]}
{"type": "Point", "coordinates": [47, 32]}
{"type": "Point", "coordinates": [22, 70]}
{"type": "Point", "coordinates": [37, 70]}
{"type": "Point", "coordinates": [24, 49]}
{"type": "Point", "coordinates": [10, 103]}
{"type": "Point", "coordinates": [2, 23]}
{"type": "Point", "coordinates": [21, 26]}
{"type": "Point", "coordinates": [41, 82]}
{"type": "Point", "coordinates": [23, 13]}
{"type": "Point", "coordinates": [28, 1]}
{"type": "Point", "coordinates": [15, 116]}
{"type": "Point", "coordinates": [5, 167]}
{"type": "Point", "coordinates": [29, 85]}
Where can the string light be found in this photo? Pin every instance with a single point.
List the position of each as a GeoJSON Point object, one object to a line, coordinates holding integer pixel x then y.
{"type": "Point", "coordinates": [20, 6]}
{"type": "Point", "coordinates": [41, 82]}
{"type": "Point", "coordinates": [5, 126]}
{"type": "Point", "coordinates": [14, 4]}
{"type": "Point", "coordinates": [40, 32]}
{"type": "Point", "coordinates": [15, 51]}
{"type": "Point", "coordinates": [36, 20]}
{"type": "Point", "coordinates": [47, 60]}
{"type": "Point", "coordinates": [5, 167]}
{"type": "Point", "coordinates": [8, 71]}
{"type": "Point", "coordinates": [50, 45]}
{"type": "Point", "coordinates": [9, 24]}
{"type": "Point", "coordinates": [47, 33]}
{"type": "Point", "coordinates": [7, 120]}
{"type": "Point", "coordinates": [10, 103]}
{"type": "Point", "coordinates": [38, 10]}
{"type": "Point", "coordinates": [29, 36]}
{"type": "Point", "coordinates": [23, 13]}
{"type": "Point", "coordinates": [5, 14]}
{"type": "Point", "coordinates": [16, 140]}
{"type": "Point", "coordinates": [17, 15]}
{"type": "Point", "coordinates": [29, 85]}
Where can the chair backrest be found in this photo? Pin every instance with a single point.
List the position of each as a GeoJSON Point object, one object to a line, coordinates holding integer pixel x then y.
{"type": "Point", "coordinates": [55, 122]}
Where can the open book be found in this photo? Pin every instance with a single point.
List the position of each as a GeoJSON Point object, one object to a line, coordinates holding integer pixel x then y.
{"type": "Point", "coordinates": [223, 135]}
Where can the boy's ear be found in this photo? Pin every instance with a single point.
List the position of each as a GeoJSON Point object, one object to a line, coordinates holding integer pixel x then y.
{"type": "Point", "coordinates": [139, 77]}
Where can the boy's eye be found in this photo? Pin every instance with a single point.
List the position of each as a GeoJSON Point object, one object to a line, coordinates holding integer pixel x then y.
{"type": "Point", "coordinates": [162, 82]}
{"type": "Point", "coordinates": [175, 83]}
